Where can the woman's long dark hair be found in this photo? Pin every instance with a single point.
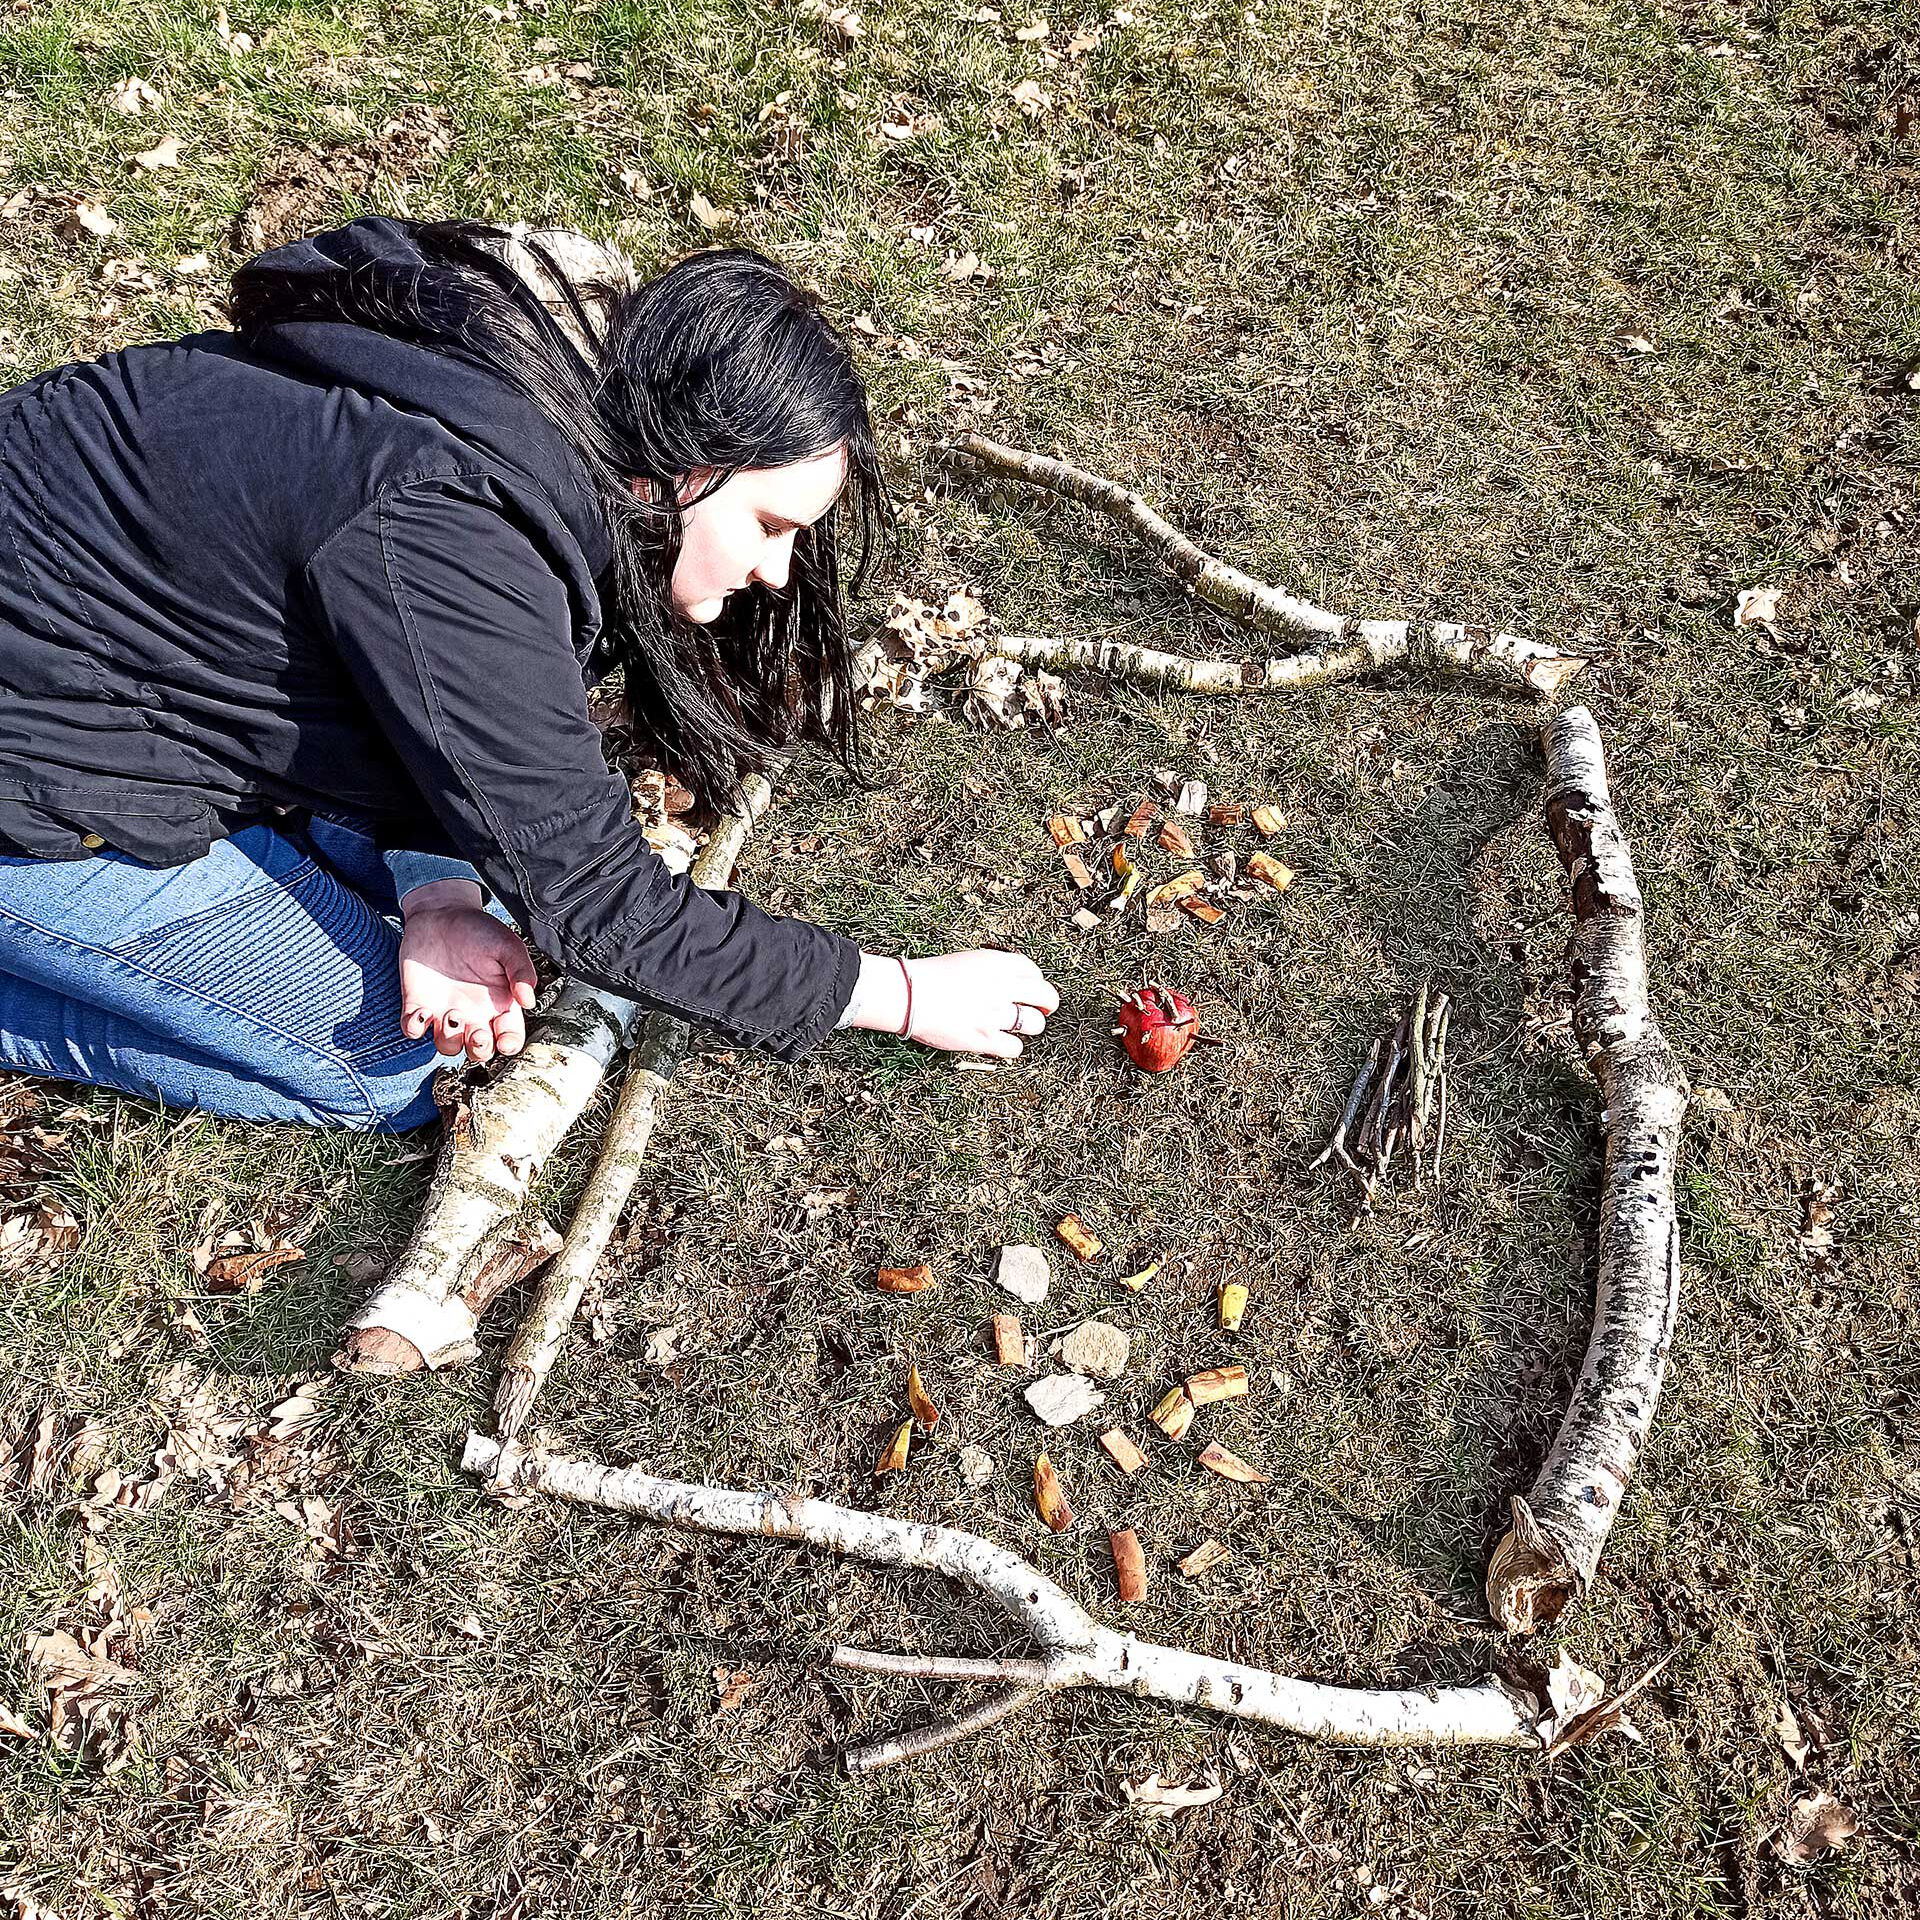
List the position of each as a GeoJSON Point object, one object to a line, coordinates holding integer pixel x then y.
{"type": "Point", "coordinates": [720, 362]}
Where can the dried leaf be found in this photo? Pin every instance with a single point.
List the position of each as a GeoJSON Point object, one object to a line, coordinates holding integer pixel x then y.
{"type": "Point", "coordinates": [1129, 1565]}
{"type": "Point", "coordinates": [732, 1685]}
{"type": "Point", "coordinates": [895, 1456]}
{"type": "Point", "coordinates": [1163, 1800]}
{"type": "Point", "coordinates": [1079, 1237]}
{"type": "Point", "coordinates": [904, 1279]}
{"type": "Point", "coordinates": [1756, 606]}
{"type": "Point", "coordinates": [1818, 1824]}
{"type": "Point", "coordinates": [247, 1272]}
{"type": "Point", "coordinates": [714, 219]}
{"type": "Point", "coordinates": [1048, 1497]}
{"type": "Point", "coordinates": [1229, 1466]}
{"type": "Point", "coordinates": [1032, 99]}
{"type": "Point", "coordinates": [165, 154]}
{"type": "Point", "coordinates": [663, 1345]}
{"type": "Point", "coordinates": [1217, 1383]}
{"type": "Point", "coordinates": [924, 1411]}
{"type": "Point", "coordinates": [133, 96]}
{"type": "Point", "coordinates": [1793, 1743]}
{"type": "Point", "coordinates": [11, 1723]}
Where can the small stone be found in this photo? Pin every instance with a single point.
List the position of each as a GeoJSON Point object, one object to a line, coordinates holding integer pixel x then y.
{"type": "Point", "coordinates": [1193, 797]}
{"type": "Point", "coordinates": [976, 1465]}
{"type": "Point", "coordinates": [1024, 1273]}
{"type": "Point", "coordinates": [1096, 1347]}
{"type": "Point", "coordinates": [1062, 1398]}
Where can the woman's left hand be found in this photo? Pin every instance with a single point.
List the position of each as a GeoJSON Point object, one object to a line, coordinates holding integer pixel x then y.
{"type": "Point", "coordinates": [465, 976]}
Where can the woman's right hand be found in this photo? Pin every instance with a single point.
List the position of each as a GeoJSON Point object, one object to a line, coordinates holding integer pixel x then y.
{"type": "Point", "coordinates": [981, 1000]}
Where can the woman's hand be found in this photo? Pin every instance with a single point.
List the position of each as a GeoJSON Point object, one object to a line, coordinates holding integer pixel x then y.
{"type": "Point", "coordinates": [979, 1001]}
{"type": "Point", "coordinates": [463, 974]}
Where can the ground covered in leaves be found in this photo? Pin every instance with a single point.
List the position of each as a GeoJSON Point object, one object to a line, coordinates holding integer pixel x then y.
{"type": "Point", "coordinates": [1583, 322]}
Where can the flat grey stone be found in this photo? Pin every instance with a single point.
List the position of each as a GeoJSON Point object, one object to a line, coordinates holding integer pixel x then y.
{"type": "Point", "coordinates": [1062, 1398]}
{"type": "Point", "coordinates": [1096, 1347]}
{"type": "Point", "coordinates": [1024, 1273]}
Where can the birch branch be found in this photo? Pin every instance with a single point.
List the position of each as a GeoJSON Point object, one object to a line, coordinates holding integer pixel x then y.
{"type": "Point", "coordinates": [1341, 647]}
{"type": "Point", "coordinates": [657, 1051]}
{"type": "Point", "coordinates": [1076, 1650]}
{"type": "Point", "coordinates": [1560, 1528]}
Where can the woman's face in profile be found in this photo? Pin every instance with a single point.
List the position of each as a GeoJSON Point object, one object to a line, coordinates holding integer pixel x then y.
{"type": "Point", "coordinates": [744, 530]}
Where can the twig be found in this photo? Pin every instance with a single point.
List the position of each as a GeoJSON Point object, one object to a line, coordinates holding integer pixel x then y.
{"type": "Point", "coordinates": [1341, 647]}
{"type": "Point", "coordinates": [1561, 1527]}
{"type": "Point", "coordinates": [942, 1733]}
{"type": "Point", "coordinates": [1417, 1100]}
{"type": "Point", "coordinates": [1355, 1095]}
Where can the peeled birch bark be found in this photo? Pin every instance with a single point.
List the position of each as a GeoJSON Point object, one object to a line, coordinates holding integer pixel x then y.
{"type": "Point", "coordinates": [1341, 647]}
{"type": "Point", "coordinates": [657, 1050]}
{"type": "Point", "coordinates": [1077, 1650]}
{"type": "Point", "coordinates": [1560, 1528]}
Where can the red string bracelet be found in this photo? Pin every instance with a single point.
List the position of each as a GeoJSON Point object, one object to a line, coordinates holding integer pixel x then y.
{"type": "Point", "coordinates": [906, 1025]}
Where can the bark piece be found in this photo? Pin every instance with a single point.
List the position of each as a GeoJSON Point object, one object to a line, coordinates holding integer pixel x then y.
{"type": "Point", "coordinates": [1086, 920]}
{"type": "Point", "coordinates": [1217, 1383]}
{"type": "Point", "coordinates": [1174, 838]}
{"type": "Point", "coordinates": [1096, 1347]}
{"type": "Point", "coordinates": [1277, 875]}
{"type": "Point", "coordinates": [1125, 1455]}
{"type": "Point", "coordinates": [1233, 1305]}
{"type": "Point", "coordinates": [1079, 1236]}
{"type": "Point", "coordinates": [904, 1279]}
{"type": "Point", "coordinates": [926, 1416]}
{"type": "Point", "coordinates": [1203, 910]}
{"type": "Point", "coordinates": [1024, 1272]}
{"type": "Point", "coordinates": [1077, 870]}
{"type": "Point", "coordinates": [1560, 1528]}
{"type": "Point", "coordinates": [1066, 831]}
{"type": "Point", "coordinates": [1009, 1340]}
{"type": "Point", "coordinates": [1193, 798]}
{"type": "Point", "coordinates": [1059, 1399]}
{"type": "Point", "coordinates": [1129, 1565]}
{"type": "Point", "coordinates": [1209, 1553]}
{"type": "Point", "coordinates": [1268, 821]}
{"type": "Point", "coordinates": [1229, 1466]}
{"type": "Point", "coordinates": [1076, 1651]}
{"type": "Point", "coordinates": [1225, 813]}
{"type": "Point", "coordinates": [1139, 820]}
{"type": "Point", "coordinates": [1174, 1415]}
{"type": "Point", "coordinates": [1049, 1497]}
{"type": "Point", "coordinates": [895, 1456]}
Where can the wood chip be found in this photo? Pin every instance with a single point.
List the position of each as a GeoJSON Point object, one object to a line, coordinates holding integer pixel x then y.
{"type": "Point", "coordinates": [1066, 831]}
{"type": "Point", "coordinates": [1209, 1553]}
{"type": "Point", "coordinates": [1228, 815]}
{"type": "Point", "coordinates": [1217, 1383]}
{"type": "Point", "coordinates": [1009, 1340]}
{"type": "Point", "coordinates": [925, 1413]}
{"type": "Point", "coordinates": [1086, 920]}
{"type": "Point", "coordinates": [1126, 1456]}
{"type": "Point", "coordinates": [1139, 820]}
{"type": "Point", "coordinates": [904, 1279]}
{"type": "Point", "coordinates": [1269, 820]}
{"type": "Point", "coordinates": [1178, 888]}
{"type": "Point", "coordinates": [1229, 1466]}
{"type": "Point", "coordinates": [1135, 1281]}
{"type": "Point", "coordinates": [1078, 870]}
{"type": "Point", "coordinates": [1129, 1564]}
{"type": "Point", "coordinates": [1203, 910]}
{"type": "Point", "coordinates": [1193, 798]}
{"type": "Point", "coordinates": [1233, 1305]}
{"type": "Point", "coordinates": [1263, 866]}
{"type": "Point", "coordinates": [1079, 1236]}
{"type": "Point", "coordinates": [1174, 1415]}
{"type": "Point", "coordinates": [1048, 1497]}
{"type": "Point", "coordinates": [1173, 836]}
{"type": "Point", "coordinates": [895, 1456]}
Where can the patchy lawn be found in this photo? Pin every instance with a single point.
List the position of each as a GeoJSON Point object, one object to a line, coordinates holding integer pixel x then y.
{"type": "Point", "coordinates": [1578, 320]}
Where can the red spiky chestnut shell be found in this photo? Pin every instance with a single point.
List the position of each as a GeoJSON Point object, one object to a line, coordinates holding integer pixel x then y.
{"type": "Point", "coordinates": [1157, 1026]}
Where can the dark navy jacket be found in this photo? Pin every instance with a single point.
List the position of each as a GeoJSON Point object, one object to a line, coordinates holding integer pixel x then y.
{"type": "Point", "coordinates": [327, 569]}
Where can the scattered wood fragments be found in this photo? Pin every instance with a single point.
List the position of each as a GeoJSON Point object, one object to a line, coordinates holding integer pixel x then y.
{"type": "Point", "coordinates": [1397, 1103]}
{"type": "Point", "coordinates": [1079, 1237]}
{"type": "Point", "coordinates": [1268, 821]}
{"type": "Point", "coordinates": [1129, 1565]}
{"type": "Point", "coordinates": [1139, 820]}
{"type": "Point", "coordinates": [1067, 831]}
{"type": "Point", "coordinates": [1048, 1496]}
{"type": "Point", "coordinates": [1560, 1528]}
{"type": "Point", "coordinates": [1209, 1553]}
{"type": "Point", "coordinates": [1077, 870]}
{"type": "Point", "coordinates": [904, 1279]}
{"type": "Point", "coordinates": [1216, 1383]}
{"type": "Point", "coordinates": [1125, 1455]}
{"type": "Point", "coordinates": [1174, 1415]}
{"type": "Point", "coordinates": [1225, 813]}
{"type": "Point", "coordinates": [1275, 873]}
{"type": "Point", "coordinates": [1009, 1340]}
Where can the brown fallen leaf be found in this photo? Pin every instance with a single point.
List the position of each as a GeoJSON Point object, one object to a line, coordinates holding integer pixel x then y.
{"type": "Point", "coordinates": [11, 1723]}
{"type": "Point", "coordinates": [714, 219]}
{"type": "Point", "coordinates": [904, 1279]}
{"type": "Point", "coordinates": [1079, 1236]}
{"type": "Point", "coordinates": [1209, 1553]}
{"type": "Point", "coordinates": [925, 1413]}
{"type": "Point", "coordinates": [1163, 1800]}
{"type": "Point", "coordinates": [1817, 1824]}
{"type": "Point", "coordinates": [165, 154]}
{"type": "Point", "coordinates": [1049, 1497]}
{"type": "Point", "coordinates": [732, 1685]}
{"type": "Point", "coordinates": [895, 1456]}
{"type": "Point", "coordinates": [133, 96]}
{"type": "Point", "coordinates": [1126, 1456]}
{"type": "Point", "coordinates": [1217, 1383]}
{"type": "Point", "coordinates": [1229, 1466]}
{"type": "Point", "coordinates": [247, 1272]}
{"type": "Point", "coordinates": [1174, 1415]}
{"type": "Point", "coordinates": [1129, 1565]}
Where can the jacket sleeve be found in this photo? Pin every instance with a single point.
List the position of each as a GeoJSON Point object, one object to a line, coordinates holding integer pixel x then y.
{"type": "Point", "coordinates": [456, 628]}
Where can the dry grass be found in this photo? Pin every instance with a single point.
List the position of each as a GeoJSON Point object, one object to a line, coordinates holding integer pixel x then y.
{"type": "Point", "coordinates": [1347, 294]}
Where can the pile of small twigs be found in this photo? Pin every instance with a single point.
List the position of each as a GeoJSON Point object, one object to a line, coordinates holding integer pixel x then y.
{"type": "Point", "coordinates": [1398, 1104]}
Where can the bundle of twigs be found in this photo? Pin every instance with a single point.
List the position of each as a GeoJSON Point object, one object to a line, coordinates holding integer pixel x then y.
{"type": "Point", "coordinates": [1398, 1102]}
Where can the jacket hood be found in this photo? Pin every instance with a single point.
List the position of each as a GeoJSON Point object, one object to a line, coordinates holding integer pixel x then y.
{"type": "Point", "coordinates": [440, 381]}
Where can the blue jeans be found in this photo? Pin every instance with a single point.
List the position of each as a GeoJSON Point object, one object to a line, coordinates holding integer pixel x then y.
{"type": "Point", "coordinates": [260, 981]}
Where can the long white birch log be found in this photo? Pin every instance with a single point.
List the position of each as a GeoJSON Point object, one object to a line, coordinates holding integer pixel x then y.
{"type": "Point", "coordinates": [1341, 647]}
{"type": "Point", "coordinates": [1560, 1528]}
{"type": "Point", "coordinates": [657, 1049]}
{"type": "Point", "coordinates": [1077, 1650]}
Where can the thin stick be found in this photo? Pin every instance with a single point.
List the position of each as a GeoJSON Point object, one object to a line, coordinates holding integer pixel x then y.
{"type": "Point", "coordinates": [1560, 1529]}
{"type": "Point", "coordinates": [940, 1666]}
{"type": "Point", "coordinates": [1417, 1097]}
{"type": "Point", "coordinates": [657, 1052]}
{"type": "Point", "coordinates": [942, 1733]}
{"type": "Point", "coordinates": [1354, 1096]}
{"type": "Point", "coordinates": [1342, 647]}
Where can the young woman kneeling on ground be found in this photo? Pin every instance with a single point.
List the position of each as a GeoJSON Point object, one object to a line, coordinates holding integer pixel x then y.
{"type": "Point", "coordinates": [297, 624]}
